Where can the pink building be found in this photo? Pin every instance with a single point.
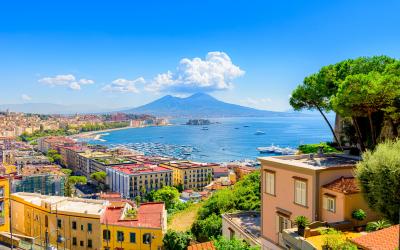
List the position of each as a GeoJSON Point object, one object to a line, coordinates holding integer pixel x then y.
{"type": "Point", "coordinates": [291, 186]}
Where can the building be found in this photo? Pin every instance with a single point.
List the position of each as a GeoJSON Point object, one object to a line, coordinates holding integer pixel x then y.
{"type": "Point", "coordinates": [43, 179]}
{"type": "Point", "coordinates": [245, 226]}
{"type": "Point", "coordinates": [131, 180]}
{"type": "Point", "coordinates": [70, 223]}
{"type": "Point", "coordinates": [125, 226]}
{"type": "Point", "coordinates": [202, 246]}
{"type": "Point", "coordinates": [388, 238]}
{"type": "Point", "coordinates": [220, 172]}
{"type": "Point", "coordinates": [191, 175]}
{"type": "Point", "coordinates": [4, 204]}
{"type": "Point", "coordinates": [54, 142]}
{"type": "Point", "coordinates": [291, 186]}
{"type": "Point", "coordinates": [73, 223]}
{"type": "Point", "coordinates": [84, 161]}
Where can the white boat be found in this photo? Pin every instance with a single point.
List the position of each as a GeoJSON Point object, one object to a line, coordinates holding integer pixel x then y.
{"type": "Point", "coordinates": [277, 150]}
{"type": "Point", "coordinates": [259, 132]}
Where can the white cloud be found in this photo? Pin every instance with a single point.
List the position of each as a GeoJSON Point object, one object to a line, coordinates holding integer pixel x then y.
{"type": "Point", "coordinates": [122, 85]}
{"type": "Point", "coordinates": [259, 103]}
{"type": "Point", "coordinates": [26, 97]}
{"type": "Point", "coordinates": [69, 81]}
{"type": "Point", "coordinates": [215, 72]}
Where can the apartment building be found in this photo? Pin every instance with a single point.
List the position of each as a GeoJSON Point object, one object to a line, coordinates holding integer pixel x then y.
{"type": "Point", "coordinates": [54, 142]}
{"type": "Point", "coordinates": [191, 175]}
{"type": "Point", "coordinates": [131, 180]}
{"type": "Point", "coordinates": [73, 223]}
{"type": "Point", "coordinates": [245, 226]}
{"type": "Point", "coordinates": [43, 179]}
{"type": "Point", "coordinates": [143, 229]}
{"type": "Point", "coordinates": [291, 186]}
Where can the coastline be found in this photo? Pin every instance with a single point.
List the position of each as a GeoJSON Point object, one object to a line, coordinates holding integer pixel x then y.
{"type": "Point", "coordinates": [96, 135]}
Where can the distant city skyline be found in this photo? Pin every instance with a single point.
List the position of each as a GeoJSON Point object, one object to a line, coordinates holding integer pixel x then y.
{"type": "Point", "coordinates": [126, 54]}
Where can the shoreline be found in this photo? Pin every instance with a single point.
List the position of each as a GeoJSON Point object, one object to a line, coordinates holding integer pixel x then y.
{"type": "Point", "coordinates": [96, 135]}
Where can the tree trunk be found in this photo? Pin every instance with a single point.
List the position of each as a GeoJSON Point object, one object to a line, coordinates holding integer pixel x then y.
{"type": "Point", "coordinates": [330, 127]}
{"type": "Point", "coordinates": [360, 139]}
{"type": "Point", "coordinates": [394, 128]}
{"type": "Point", "coordinates": [371, 126]}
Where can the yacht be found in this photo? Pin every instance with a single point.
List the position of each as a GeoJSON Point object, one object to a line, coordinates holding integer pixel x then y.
{"type": "Point", "coordinates": [259, 132]}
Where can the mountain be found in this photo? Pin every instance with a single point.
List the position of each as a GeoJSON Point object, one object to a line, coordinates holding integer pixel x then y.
{"type": "Point", "coordinates": [198, 105]}
{"type": "Point", "coordinates": [50, 108]}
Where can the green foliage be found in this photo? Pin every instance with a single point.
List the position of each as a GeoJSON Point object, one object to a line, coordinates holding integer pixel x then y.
{"type": "Point", "coordinates": [313, 148]}
{"type": "Point", "coordinates": [363, 87]}
{"type": "Point", "coordinates": [77, 180]}
{"type": "Point", "coordinates": [206, 229]}
{"type": "Point", "coordinates": [336, 240]}
{"type": "Point", "coordinates": [244, 195]}
{"type": "Point", "coordinates": [358, 214]}
{"type": "Point", "coordinates": [54, 156]}
{"type": "Point", "coordinates": [131, 213]}
{"type": "Point", "coordinates": [178, 206]}
{"type": "Point", "coordinates": [379, 176]}
{"type": "Point", "coordinates": [99, 176]}
{"type": "Point", "coordinates": [169, 195]}
{"type": "Point", "coordinates": [301, 221]}
{"type": "Point", "coordinates": [176, 240]}
{"type": "Point", "coordinates": [377, 225]}
{"type": "Point", "coordinates": [221, 243]}
{"type": "Point", "coordinates": [66, 171]}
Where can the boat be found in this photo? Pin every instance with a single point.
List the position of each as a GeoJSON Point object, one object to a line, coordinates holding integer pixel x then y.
{"type": "Point", "coordinates": [259, 132]}
{"type": "Point", "coordinates": [246, 126]}
{"type": "Point", "coordinates": [204, 128]}
{"type": "Point", "coordinates": [277, 150]}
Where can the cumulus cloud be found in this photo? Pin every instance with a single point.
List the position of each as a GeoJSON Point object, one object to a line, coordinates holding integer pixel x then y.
{"type": "Point", "coordinates": [122, 85]}
{"type": "Point", "coordinates": [68, 80]}
{"type": "Point", "coordinates": [260, 103]}
{"type": "Point", "coordinates": [26, 97]}
{"type": "Point", "coordinates": [215, 72]}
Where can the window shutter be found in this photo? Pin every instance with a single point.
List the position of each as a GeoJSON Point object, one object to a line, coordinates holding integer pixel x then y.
{"type": "Point", "coordinates": [325, 202]}
{"type": "Point", "coordinates": [277, 223]}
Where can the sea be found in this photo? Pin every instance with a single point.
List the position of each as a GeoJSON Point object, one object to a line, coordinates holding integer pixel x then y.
{"type": "Point", "coordinates": [225, 140]}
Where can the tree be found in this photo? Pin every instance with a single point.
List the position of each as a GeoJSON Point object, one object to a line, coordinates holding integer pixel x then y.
{"type": "Point", "coordinates": [72, 181]}
{"type": "Point", "coordinates": [319, 91]}
{"type": "Point", "coordinates": [169, 195]}
{"type": "Point", "coordinates": [206, 229]}
{"type": "Point", "coordinates": [54, 156]}
{"type": "Point", "coordinates": [66, 171]}
{"type": "Point", "coordinates": [365, 95]}
{"type": "Point", "coordinates": [221, 243]}
{"type": "Point", "coordinates": [177, 240]}
{"type": "Point", "coordinates": [379, 176]}
{"type": "Point", "coordinates": [99, 176]}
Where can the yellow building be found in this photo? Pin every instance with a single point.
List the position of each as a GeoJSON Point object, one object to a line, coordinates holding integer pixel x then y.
{"type": "Point", "coordinates": [70, 223]}
{"type": "Point", "coordinates": [125, 227]}
{"type": "Point", "coordinates": [73, 223]}
{"type": "Point", "coordinates": [4, 204]}
{"type": "Point", "coordinates": [191, 174]}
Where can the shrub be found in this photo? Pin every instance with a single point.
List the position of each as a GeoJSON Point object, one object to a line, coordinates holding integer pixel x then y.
{"type": "Point", "coordinates": [222, 243]}
{"type": "Point", "coordinates": [358, 214]}
{"type": "Point", "coordinates": [313, 148]}
{"type": "Point", "coordinates": [377, 225]}
{"type": "Point", "coordinates": [379, 177]}
{"type": "Point", "coordinates": [301, 221]}
{"type": "Point", "coordinates": [206, 229]}
{"type": "Point", "coordinates": [177, 240]}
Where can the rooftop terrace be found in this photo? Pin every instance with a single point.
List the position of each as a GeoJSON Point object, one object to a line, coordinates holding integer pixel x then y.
{"type": "Point", "coordinates": [249, 222]}
{"type": "Point", "coordinates": [133, 169]}
{"type": "Point", "coordinates": [315, 161]}
{"type": "Point", "coordinates": [189, 164]}
{"type": "Point", "coordinates": [65, 204]}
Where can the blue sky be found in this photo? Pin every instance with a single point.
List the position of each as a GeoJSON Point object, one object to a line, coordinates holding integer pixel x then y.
{"type": "Point", "coordinates": [109, 53]}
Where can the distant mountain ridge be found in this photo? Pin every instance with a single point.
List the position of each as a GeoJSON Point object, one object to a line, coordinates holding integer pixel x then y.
{"type": "Point", "coordinates": [198, 105]}
{"type": "Point", "coordinates": [50, 108]}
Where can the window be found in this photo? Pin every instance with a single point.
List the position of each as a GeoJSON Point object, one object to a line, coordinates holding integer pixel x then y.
{"type": "Point", "coordinates": [74, 225]}
{"type": "Point", "coordinates": [89, 243]}
{"type": "Point", "coordinates": [282, 223]}
{"type": "Point", "coordinates": [120, 236]}
{"type": "Point", "coordinates": [132, 237]}
{"type": "Point", "coordinates": [147, 238]}
{"type": "Point", "coordinates": [329, 203]}
{"type": "Point", "coordinates": [59, 223]}
{"type": "Point", "coordinates": [106, 235]}
{"type": "Point", "coordinates": [89, 227]}
{"type": "Point", "coordinates": [81, 243]}
{"type": "Point", "coordinates": [82, 227]}
{"type": "Point", "coordinates": [231, 233]}
{"type": "Point", "coordinates": [46, 221]}
{"type": "Point", "coordinates": [300, 192]}
{"type": "Point", "coordinates": [74, 242]}
{"type": "Point", "coordinates": [269, 182]}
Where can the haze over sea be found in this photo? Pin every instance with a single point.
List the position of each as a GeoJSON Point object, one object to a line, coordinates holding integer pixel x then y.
{"type": "Point", "coordinates": [229, 139]}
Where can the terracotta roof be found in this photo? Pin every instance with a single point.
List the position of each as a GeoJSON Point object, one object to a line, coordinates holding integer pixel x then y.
{"type": "Point", "coordinates": [345, 185]}
{"type": "Point", "coordinates": [202, 246]}
{"type": "Point", "coordinates": [149, 215]}
{"type": "Point", "coordinates": [387, 238]}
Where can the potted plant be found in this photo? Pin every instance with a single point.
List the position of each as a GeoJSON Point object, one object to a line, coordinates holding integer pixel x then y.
{"type": "Point", "coordinates": [301, 222]}
{"type": "Point", "coordinates": [359, 215]}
